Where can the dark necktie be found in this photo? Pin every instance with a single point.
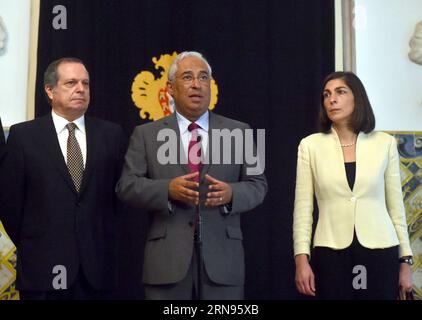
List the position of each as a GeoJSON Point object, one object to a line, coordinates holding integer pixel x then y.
{"type": "Point", "coordinates": [194, 150]}
{"type": "Point", "coordinates": [75, 161]}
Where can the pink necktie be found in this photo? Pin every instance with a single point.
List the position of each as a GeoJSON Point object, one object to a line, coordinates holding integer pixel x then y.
{"type": "Point", "coordinates": [194, 150]}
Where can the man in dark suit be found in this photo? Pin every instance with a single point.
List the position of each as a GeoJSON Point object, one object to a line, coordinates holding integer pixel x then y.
{"type": "Point", "coordinates": [60, 205]}
{"type": "Point", "coordinates": [2, 141]}
{"type": "Point", "coordinates": [174, 194]}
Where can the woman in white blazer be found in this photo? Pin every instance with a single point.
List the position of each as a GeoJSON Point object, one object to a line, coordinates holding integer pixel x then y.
{"type": "Point", "coordinates": [360, 245]}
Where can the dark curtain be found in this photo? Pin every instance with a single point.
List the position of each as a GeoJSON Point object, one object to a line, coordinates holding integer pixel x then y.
{"type": "Point", "coordinates": [268, 59]}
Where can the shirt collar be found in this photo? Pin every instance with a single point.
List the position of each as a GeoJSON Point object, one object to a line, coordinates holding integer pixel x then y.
{"type": "Point", "coordinates": [203, 122]}
{"type": "Point", "coordinates": [60, 122]}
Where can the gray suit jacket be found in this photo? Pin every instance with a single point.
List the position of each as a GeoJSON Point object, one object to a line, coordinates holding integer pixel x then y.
{"type": "Point", "coordinates": [144, 184]}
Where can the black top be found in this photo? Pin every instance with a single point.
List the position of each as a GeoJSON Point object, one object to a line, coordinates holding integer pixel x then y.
{"type": "Point", "coordinates": [351, 173]}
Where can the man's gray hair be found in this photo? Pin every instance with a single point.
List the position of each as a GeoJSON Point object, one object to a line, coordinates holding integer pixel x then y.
{"type": "Point", "coordinates": [183, 55]}
{"type": "Point", "coordinates": [51, 76]}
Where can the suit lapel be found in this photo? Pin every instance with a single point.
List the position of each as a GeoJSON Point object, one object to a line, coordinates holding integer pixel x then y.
{"type": "Point", "coordinates": [171, 123]}
{"type": "Point", "coordinates": [359, 164]}
{"type": "Point", "coordinates": [214, 123]}
{"type": "Point", "coordinates": [2, 141]}
{"type": "Point", "coordinates": [93, 138]}
{"type": "Point", "coordinates": [49, 141]}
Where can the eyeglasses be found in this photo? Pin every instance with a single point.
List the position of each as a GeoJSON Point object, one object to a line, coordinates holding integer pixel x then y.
{"type": "Point", "coordinates": [188, 78]}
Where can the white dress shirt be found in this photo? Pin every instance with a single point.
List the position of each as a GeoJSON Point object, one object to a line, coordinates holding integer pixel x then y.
{"type": "Point", "coordinates": [185, 136]}
{"type": "Point", "coordinates": [63, 134]}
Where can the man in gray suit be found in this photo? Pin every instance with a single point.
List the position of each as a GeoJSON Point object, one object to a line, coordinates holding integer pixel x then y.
{"type": "Point", "coordinates": [175, 194]}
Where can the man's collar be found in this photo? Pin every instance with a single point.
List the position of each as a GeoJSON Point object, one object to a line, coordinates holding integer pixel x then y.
{"type": "Point", "coordinates": [183, 122]}
{"type": "Point", "coordinates": [60, 122]}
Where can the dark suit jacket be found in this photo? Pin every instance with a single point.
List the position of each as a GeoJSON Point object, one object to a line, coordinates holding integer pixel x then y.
{"type": "Point", "coordinates": [168, 252]}
{"type": "Point", "coordinates": [2, 142]}
{"type": "Point", "coordinates": [49, 222]}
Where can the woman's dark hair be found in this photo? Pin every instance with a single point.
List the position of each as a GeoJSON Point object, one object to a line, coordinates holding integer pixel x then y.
{"type": "Point", "coordinates": [362, 119]}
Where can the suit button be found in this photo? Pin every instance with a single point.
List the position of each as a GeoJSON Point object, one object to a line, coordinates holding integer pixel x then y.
{"type": "Point", "coordinates": [353, 199]}
{"type": "Point", "coordinates": [190, 224]}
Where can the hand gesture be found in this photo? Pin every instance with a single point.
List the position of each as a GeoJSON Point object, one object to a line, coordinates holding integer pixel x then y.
{"type": "Point", "coordinates": [220, 192]}
{"type": "Point", "coordinates": [184, 189]}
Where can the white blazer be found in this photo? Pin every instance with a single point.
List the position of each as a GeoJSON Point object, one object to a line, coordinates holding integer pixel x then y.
{"type": "Point", "coordinates": [374, 208]}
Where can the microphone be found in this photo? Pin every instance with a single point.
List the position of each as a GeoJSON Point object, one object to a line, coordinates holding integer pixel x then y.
{"type": "Point", "coordinates": [198, 138]}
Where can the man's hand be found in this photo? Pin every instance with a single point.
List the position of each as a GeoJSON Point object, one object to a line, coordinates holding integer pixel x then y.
{"type": "Point", "coordinates": [221, 192]}
{"type": "Point", "coordinates": [184, 188]}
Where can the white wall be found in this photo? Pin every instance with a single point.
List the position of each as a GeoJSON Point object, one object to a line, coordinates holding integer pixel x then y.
{"type": "Point", "coordinates": [394, 83]}
{"type": "Point", "coordinates": [14, 62]}
{"type": "Point", "coordinates": [338, 35]}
